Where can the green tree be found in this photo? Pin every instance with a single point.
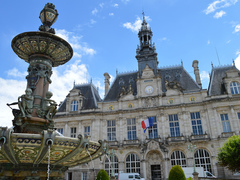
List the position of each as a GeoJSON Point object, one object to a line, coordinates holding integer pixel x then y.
{"type": "Point", "coordinates": [190, 178]}
{"type": "Point", "coordinates": [229, 154]}
{"type": "Point", "coordinates": [102, 175]}
{"type": "Point", "coordinates": [176, 173]}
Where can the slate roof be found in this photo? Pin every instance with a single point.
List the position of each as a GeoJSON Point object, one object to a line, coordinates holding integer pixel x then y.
{"type": "Point", "coordinates": [178, 74]}
{"type": "Point", "coordinates": [122, 80]}
{"type": "Point", "coordinates": [216, 86]}
{"type": "Point", "coordinates": [90, 97]}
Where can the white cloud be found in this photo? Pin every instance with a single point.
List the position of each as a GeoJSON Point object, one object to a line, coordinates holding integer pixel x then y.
{"type": "Point", "coordinates": [115, 5]}
{"type": "Point", "coordinates": [237, 60]}
{"type": "Point", "coordinates": [136, 25]}
{"type": "Point", "coordinates": [101, 5]}
{"type": "Point", "coordinates": [92, 21]}
{"type": "Point", "coordinates": [208, 42]}
{"type": "Point", "coordinates": [219, 14]}
{"type": "Point", "coordinates": [111, 14]}
{"type": "Point", "coordinates": [164, 39]}
{"type": "Point", "coordinates": [9, 92]}
{"type": "Point", "coordinates": [95, 11]}
{"type": "Point", "coordinates": [78, 46]}
{"type": "Point", "coordinates": [16, 73]}
{"type": "Point", "coordinates": [237, 28]}
{"type": "Point", "coordinates": [204, 76]}
{"type": "Point", "coordinates": [125, 1]}
{"type": "Point", "coordinates": [228, 41]}
{"type": "Point", "coordinates": [218, 4]}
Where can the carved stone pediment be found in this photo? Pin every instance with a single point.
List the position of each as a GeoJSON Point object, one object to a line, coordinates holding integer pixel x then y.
{"type": "Point", "coordinates": [232, 73]}
{"type": "Point", "coordinates": [147, 72]}
{"type": "Point", "coordinates": [75, 92]}
{"type": "Point", "coordinates": [153, 145]}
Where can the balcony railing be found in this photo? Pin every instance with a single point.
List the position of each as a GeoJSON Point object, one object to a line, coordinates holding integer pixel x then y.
{"type": "Point", "coordinates": [199, 137]}
{"type": "Point", "coordinates": [227, 134]}
{"type": "Point", "coordinates": [131, 142]}
{"type": "Point", "coordinates": [176, 139]}
{"type": "Point", "coordinates": [113, 143]}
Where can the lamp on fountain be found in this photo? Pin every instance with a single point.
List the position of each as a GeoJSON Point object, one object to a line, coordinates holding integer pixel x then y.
{"type": "Point", "coordinates": [48, 16]}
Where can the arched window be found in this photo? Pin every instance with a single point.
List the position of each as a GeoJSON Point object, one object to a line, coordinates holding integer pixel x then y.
{"type": "Point", "coordinates": [74, 105]}
{"type": "Point", "coordinates": [235, 87]}
{"type": "Point", "coordinates": [178, 158]}
{"type": "Point", "coordinates": [202, 159]}
{"type": "Point", "coordinates": [112, 165]}
{"type": "Point", "coordinates": [133, 163]}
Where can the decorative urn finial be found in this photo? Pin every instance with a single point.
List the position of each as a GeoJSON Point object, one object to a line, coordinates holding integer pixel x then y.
{"type": "Point", "coordinates": [48, 16]}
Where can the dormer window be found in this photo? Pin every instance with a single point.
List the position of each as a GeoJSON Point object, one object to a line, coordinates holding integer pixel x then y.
{"type": "Point", "coordinates": [74, 105]}
{"type": "Point", "coordinates": [235, 87]}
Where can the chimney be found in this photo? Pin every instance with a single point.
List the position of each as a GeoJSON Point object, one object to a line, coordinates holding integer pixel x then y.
{"type": "Point", "coordinates": [196, 72]}
{"type": "Point", "coordinates": [106, 82]}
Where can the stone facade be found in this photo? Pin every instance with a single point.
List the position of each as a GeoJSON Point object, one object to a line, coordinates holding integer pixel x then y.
{"type": "Point", "coordinates": [183, 114]}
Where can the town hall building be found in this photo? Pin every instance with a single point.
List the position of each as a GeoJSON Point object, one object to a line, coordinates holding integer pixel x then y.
{"type": "Point", "coordinates": [183, 114]}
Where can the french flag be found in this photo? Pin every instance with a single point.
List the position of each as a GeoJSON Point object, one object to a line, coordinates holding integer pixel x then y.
{"type": "Point", "coordinates": [147, 123]}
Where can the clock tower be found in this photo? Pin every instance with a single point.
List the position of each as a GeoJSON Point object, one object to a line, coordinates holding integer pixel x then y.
{"type": "Point", "coordinates": [146, 51]}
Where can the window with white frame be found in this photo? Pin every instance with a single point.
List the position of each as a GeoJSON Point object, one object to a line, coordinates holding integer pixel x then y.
{"type": "Point", "coordinates": [153, 131]}
{"type": "Point", "coordinates": [74, 105]}
{"type": "Point", "coordinates": [235, 87]}
{"type": "Point", "coordinates": [178, 158]}
{"type": "Point", "coordinates": [174, 125]}
{"type": "Point", "coordinates": [87, 130]}
{"type": "Point", "coordinates": [111, 164]}
{"type": "Point", "coordinates": [202, 159]}
{"type": "Point", "coordinates": [73, 132]}
{"type": "Point", "coordinates": [225, 123]}
{"type": "Point", "coordinates": [196, 123]}
{"type": "Point", "coordinates": [133, 163]}
{"type": "Point", "coordinates": [84, 176]}
{"type": "Point", "coordinates": [111, 130]}
{"type": "Point", "coordinates": [60, 130]}
{"type": "Point", "coordinates": [131, 129]}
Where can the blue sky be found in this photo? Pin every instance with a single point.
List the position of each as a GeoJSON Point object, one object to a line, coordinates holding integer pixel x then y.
{"type": "Point", "coordinates": [103, 34]}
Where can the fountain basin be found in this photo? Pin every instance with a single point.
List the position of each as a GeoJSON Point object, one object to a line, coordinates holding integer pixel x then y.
{"type": "Point", "coordinates": [27, 154]}
{"type": "Point", "coordinates": [36, 44]}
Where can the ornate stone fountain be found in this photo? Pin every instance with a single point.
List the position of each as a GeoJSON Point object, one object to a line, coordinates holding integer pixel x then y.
{"type": "Point", "coordinates": [33, 149]}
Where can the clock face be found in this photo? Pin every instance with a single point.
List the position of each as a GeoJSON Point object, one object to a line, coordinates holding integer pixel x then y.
{"type": "Point", "coordinates": [149, 89]}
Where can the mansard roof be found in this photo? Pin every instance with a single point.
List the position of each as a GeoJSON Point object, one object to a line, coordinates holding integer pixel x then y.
{"type": "Point", "coordinates": [171, 74]}
{"type": "Point", "coordinates": [122, 80]}
{"type": "Point", "coordinates": [216, 86]}
{"type": "Point", "coordinates": [90, 97]}
{"type": "Point", "coordinates": [180, 75]}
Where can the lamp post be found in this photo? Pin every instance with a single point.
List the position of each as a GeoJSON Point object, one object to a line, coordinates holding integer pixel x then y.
{"type": "Point", "coordinates": [111, 166]}
{"type": "Point", "coordinates": [192, 149]}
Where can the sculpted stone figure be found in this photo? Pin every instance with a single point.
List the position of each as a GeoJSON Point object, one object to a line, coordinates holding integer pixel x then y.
{"type": "Point", "coordinates": [25, 103]}
{"type": "Point", "coordinates": [49, 106]}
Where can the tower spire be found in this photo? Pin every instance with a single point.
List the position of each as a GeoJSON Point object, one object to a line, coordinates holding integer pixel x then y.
{"type": "Point", "coordinates": [146, 52]}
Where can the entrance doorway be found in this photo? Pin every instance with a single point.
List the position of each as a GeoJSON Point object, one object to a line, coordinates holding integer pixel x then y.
{"type": "Point", "coordinates": [156, 172]}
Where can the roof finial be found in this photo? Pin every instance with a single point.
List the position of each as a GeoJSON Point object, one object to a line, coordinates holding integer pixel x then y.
{"type": "Point", "coordinates": [144, 21]}
{"type": "Point", "coordinates": [233, 62]}
{"type": "Point", "coordinates": [212, 65]}
{"type": "Point", "coordinates": [74, 83]}
{"type": "Point", "coordinates": [181, 62]}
